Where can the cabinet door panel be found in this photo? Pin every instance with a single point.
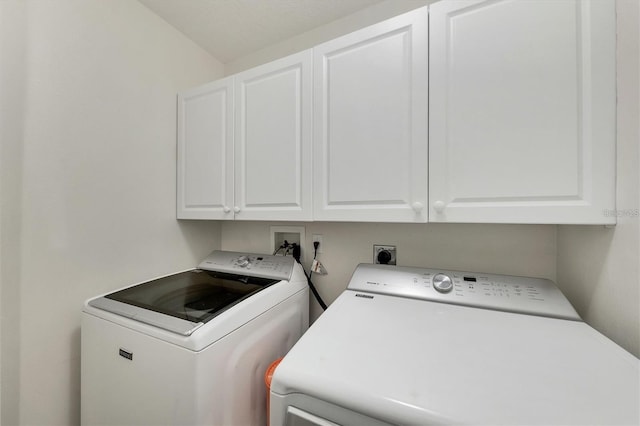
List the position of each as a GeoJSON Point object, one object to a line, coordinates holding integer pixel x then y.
{"type": "Point", "coordinates": [273, 140]}
{"type": "Point", "coordinates": [205, 152]}
{"type": "Point", "coordinates": [371, 123]}
{"type": "Point", "coordinates": [522, 124]}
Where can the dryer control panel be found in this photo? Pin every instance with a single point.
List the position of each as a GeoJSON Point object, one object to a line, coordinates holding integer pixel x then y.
{"type": "Point", "coordinates": [253, 265]}
{"type": "Point", "coordinates": [535, 296]}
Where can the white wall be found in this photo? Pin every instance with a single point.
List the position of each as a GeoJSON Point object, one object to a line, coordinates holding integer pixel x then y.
{"type": "Point", "coordinates": [88, 180]}
{"type": "Point", "coordinates": [11, 88]}
{"type": "Point", "coordinates": [528, 250]}
{"type": "Point", "coordinates": [345, 25]}
{"type": "Point", "coordinates": [598, 267]}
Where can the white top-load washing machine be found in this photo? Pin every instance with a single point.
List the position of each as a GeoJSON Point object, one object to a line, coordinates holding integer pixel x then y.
{"type": "Point", "coordinates": [191, 348]}
{"type": "Point", "coordinates": [415, 346]}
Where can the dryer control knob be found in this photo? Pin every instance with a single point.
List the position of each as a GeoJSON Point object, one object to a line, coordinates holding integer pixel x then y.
{"type": "Point", "coordinates": [243, 261]}
{"type": "Point", "coordinates": [442, 283]}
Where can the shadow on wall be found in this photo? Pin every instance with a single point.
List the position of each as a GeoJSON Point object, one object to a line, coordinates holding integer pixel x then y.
{"type": "Point", "coordinates": [13, 30]}
{"type": "Point", "coordinates": [192, 230]}
{"type": "Point", "coordinates": [598, 272]}
{"type": "Point", "coordinates": [588, 265]}
{"type": "Point", "coordinates": [74, 367]}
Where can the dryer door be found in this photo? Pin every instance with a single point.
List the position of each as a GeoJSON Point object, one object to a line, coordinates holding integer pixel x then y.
{"type": "Point", "coordinates": [304, 410]}
{"type": "Point", "coordinates": [297, 417]}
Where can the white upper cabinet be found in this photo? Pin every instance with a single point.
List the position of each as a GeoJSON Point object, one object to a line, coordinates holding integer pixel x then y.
{"type": "Point", "coordinates": [205, 151]}
{"type": "Point", "coordinates": [522, 111]}
{"type": "Point", "coordinates": [273, 140]}
{"type": "Point", "coordinates": [370, 123]}
{"type": "Point", "coordinates": [499, 111]}
{"type": "Point", "coordinates": [262, 171]}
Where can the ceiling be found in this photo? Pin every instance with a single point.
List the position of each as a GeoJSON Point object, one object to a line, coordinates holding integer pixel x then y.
{"type": "Point", "coordinates": [231, 29]}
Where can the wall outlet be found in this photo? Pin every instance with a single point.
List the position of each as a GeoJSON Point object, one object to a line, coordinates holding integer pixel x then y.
{"type": "Point", "coordinates": [384, 255]}
{"type": "Point", "coordinates": [318, 238]}
{"type": "Point", "coordinates": [291, 234]}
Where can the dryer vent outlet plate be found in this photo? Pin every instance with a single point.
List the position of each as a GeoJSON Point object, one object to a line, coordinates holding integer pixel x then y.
{"type": "Point", "coordinates": [384, 255]}
{"type": "Point", "coordinates": [290, 234]}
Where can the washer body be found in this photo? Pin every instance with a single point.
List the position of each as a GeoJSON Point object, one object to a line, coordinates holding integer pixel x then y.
{"type": "Point", "coordinates": [142, 366]}
{"type": "Point", "coordinates": [392, 349]}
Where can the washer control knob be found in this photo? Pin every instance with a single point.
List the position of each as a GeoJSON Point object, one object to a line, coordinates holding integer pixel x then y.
{"type": "Point", "coordinates": [439, 206]}
{"type": "Point", "coordinates": [243, 261]}
{"type": "Point", "coordinates": [442, 283]}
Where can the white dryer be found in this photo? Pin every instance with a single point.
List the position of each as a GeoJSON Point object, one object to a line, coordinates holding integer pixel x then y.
{"type": "Point", "coordinates": [191, 348]}
{"type": "Point", "coordinates": [417, 346]}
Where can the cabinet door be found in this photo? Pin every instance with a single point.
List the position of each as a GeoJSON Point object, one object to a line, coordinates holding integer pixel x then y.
{"type": "Point", "coordinates": [370, 123]}
{"type": "Point", "coordinates": [205, 151]}
{"type": "Point", "coordinates": [273, 140]}
{"type": "Point", "coordinates": [522, 111]}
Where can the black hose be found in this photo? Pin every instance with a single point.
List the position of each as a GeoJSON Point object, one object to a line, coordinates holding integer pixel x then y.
{"type": "Point", "coordinates": [296, 256]}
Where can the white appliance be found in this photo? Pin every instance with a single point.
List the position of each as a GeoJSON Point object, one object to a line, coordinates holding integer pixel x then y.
{"type": "Point", "coordinates": [191, 348]}
{"type": "Point", "coordinates": [416, 346]}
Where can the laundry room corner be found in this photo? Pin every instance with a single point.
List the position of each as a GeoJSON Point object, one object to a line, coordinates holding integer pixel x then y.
{"type": "Point", "coordinates": [598, 267]}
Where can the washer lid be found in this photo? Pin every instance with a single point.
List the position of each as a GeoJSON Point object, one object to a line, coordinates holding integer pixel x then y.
{"type": "Point", "coordinates": [182, 302]}
{"type": "Point", "coordinates": [409, 361]}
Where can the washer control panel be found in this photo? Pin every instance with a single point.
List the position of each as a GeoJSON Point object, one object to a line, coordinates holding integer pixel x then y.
{"type": "Point", "coordinates": [254, 265]}
{"type": "Point", "coordinates": [535, 296]}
